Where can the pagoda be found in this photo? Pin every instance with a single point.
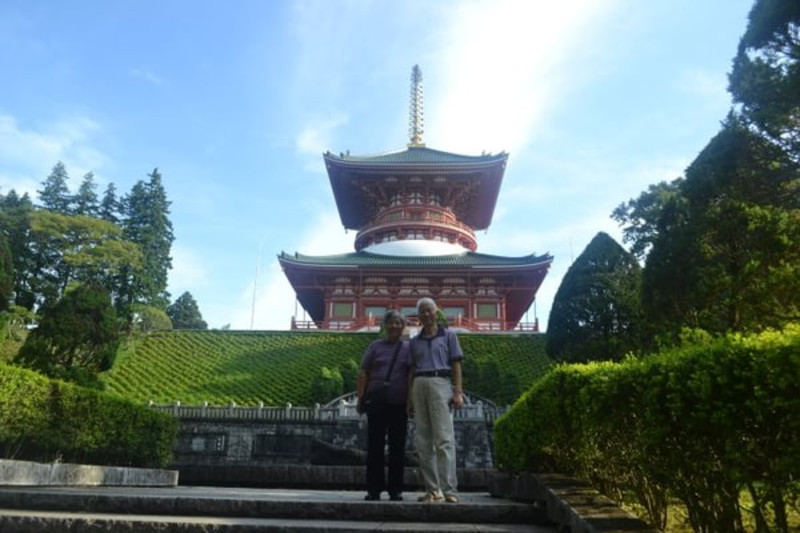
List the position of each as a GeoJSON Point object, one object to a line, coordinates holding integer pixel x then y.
{"type": "Point", "coordinates": [415, 212]}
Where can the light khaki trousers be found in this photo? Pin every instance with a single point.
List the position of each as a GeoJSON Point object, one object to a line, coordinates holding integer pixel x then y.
{"type": "Point", "coordinates": [435, 437]}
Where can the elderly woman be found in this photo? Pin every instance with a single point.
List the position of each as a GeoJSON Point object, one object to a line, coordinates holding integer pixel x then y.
{"type": "Point", "coordinates": [383, 395]}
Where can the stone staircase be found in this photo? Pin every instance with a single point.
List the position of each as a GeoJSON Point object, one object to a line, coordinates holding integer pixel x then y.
{"type": "Point", "coordinates": [36, 497]}
{"type": "Point", "coordinates": [211, 509]}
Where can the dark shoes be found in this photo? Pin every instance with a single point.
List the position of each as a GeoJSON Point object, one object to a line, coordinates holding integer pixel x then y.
{"type": "Point", "coordinates": [396, 497]}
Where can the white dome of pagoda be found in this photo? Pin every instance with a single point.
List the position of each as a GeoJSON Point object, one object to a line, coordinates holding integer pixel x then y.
{"type": "Point", "coordinates": [410, 247]}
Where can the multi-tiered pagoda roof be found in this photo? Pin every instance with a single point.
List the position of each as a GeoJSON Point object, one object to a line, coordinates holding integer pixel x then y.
{"type": "Point", "coordinates": [415, 211]}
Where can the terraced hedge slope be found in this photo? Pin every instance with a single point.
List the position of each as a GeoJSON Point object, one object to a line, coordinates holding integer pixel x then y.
{"type": "Point", "coordinates": [276, 367]}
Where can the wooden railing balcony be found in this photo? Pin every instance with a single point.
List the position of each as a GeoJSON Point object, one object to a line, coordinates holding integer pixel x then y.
{"type": "Point", "coordinates": [472, 325]}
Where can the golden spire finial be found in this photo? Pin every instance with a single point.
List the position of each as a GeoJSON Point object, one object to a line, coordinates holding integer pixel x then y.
{"type": "Point", "coordinates": [415, 120]}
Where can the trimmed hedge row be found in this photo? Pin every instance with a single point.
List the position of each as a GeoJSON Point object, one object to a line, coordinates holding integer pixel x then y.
{"type": "Point", "coordinates": [701, 423]}
{"type": "Point", "coordinates": [276, 367]}
{"type": "Point", "coordinates": [46, 420]}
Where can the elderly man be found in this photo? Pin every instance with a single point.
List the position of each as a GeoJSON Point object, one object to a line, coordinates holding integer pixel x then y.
{"type": "Point", "coordinates": [435, 381]}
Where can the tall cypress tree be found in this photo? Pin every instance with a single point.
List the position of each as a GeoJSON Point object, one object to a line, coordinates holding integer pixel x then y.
{"type": "Point", "coordinates": [147, 224]}
{"type": "Point", "coordinates": [86, 199]}
{"type": "Point", "coordinates": [765, 80]}
{"type": "Point", "coordinates": [6, 274]}
{"type": "Point", "coordinates": [185, 313]}
{"type": "Point", "coordinates": [728, 259]}
{"type": "Point", "coordinates": [54, 195]}
{"type": "Point", "coordinates": [110, 207]}
{"type": "Point", "coordinates": [15, 214]}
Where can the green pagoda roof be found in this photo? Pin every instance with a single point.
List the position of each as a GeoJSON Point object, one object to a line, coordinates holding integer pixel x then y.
{"type": "Point", "coordinates": [306, 272]}
{"type": "Point", "coordinates": [472, 182]}
{"type": "Point", "coordinates": [418, 155]}
{"type": "Point", "coordinates": [368, 259]}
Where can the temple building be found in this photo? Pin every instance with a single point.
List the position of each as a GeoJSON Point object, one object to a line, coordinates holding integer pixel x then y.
{"type": "Point", "coordinates": [415, 212]}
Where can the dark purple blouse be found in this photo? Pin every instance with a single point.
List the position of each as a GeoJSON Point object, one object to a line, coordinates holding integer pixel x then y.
{"type": "Point", "coordinates": [376, 362]}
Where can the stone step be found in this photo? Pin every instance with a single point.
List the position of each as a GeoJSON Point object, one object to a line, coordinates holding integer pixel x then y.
{"type": "Point", "coordinates": [18, 521]}
{"type": "Point", "coordinates": [286, 504]}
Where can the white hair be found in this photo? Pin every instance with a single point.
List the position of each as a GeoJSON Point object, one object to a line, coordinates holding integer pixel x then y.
{"type": "Point", "coordinates": [427, 302]}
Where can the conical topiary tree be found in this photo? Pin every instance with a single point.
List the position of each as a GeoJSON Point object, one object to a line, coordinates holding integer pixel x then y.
{"type": "Point", "coordinates": [596, 313]}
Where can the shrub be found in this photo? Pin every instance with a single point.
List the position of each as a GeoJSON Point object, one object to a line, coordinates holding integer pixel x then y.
{"type": "Point", "coordinates": [701, 422]}
{"type": "Point", "coordinates": [45, 420]}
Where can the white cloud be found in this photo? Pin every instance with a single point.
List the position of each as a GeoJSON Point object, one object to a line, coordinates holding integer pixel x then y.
{"type": "Point", "coordinates": [274, 297]}
{"type": "Point", "coordinates": [564, 242]}
{"type": "Point", "coordinates": [188, 272]}
{"type": "Point", "coordinates": [28, 155]}
{"type": "Point", "coordinates": [505, 66]}
{"type": "Point", "coordinates": [148, 76]}
{"type": "Point", "coordinates": [711, 86]}
{"type": "Point", "coordinates": [315, 138]}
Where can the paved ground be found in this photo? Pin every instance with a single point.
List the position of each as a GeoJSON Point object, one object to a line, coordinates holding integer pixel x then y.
{"type": "Point", "coordinates": [238, 493]}
{"type": "Point", "coordinates": [185, 509]}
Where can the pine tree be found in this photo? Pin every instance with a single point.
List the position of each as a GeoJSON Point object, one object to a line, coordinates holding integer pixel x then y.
{"type": "Point", "coordinates": [185, 314]}
{"type": "Point", "coordinates": [54, 195]}
{"type": "Point", "coordinates": [147, 224]}
{"type": "Point", "coordinates": [110, 207]}
{"type": "Point", "coordinates": [6, 274]}
{"type": "Point", "coordinates": [15, 212]}
{"type": "Point", "coordinates": [86, 199]}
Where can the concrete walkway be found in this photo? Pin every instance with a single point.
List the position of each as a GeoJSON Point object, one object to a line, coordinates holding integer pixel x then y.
{"type": "Point", "coordinates": [207, 509]}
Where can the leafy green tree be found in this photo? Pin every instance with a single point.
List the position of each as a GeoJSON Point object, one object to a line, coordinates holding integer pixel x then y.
{"type": "Point", "coordinates": [729, 260]}
{"type": "Point", "coordinates": [54, 195]}
{"type": "Point", "coordinates": [349, 371]}
{"type": "Point", "coordinates": [185, 313]}
{"type": "Point", "coordinates": [146, 223]}
{"type": "Point", "coordinates": [724, 242]}
{"type": "Point", "coordinates": [147, 319]}
{"type": "Point", "coordinates": [15, 214]}
{"type": "Point", "coordinates": [596, 314]}
{"type": "Point", "coordinates": [76, 339]}
{"type": "Point", "coordinates": [765, 80]}
{"type": "Point", "coordinates": [78, 248]}
{"type": "Point", "coordinates": [6, 275]}
{"type": "Point", "coordinates": [640, 216]}
{"type": "Point", "coordinates": [327, 385]}
{"type": "Point", "coordinates": [85, 202]}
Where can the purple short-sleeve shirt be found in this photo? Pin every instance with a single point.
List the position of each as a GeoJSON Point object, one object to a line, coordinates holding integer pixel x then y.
{"type": "Point", "coordinates": [375, 363]}
{"type": "Point", "coordinates": [437, 352]}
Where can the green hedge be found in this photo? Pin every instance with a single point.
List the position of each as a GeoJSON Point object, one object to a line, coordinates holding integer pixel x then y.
{"type": "Point", "coordinates": [46, 420]}
{"type": "Point", "coordinates": [701, 423]}
{"type": "Point", "coordinates": [276, 367]}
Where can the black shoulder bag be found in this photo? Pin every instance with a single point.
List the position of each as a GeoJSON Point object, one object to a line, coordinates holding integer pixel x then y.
{"type": "Point", "coordinates": [376, 399]}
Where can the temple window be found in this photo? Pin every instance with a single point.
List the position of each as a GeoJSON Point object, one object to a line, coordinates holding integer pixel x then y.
{"type": "Point", "coordinates": [375, 311]}
{"type": "Point", "coordinates": [486, 311]}
{"type": "Point", "coordinates": [342, 309]}
{"type": "Point", "coordinates": [409, 311]}
{"type": "Point", "coordinates": [453, 312]}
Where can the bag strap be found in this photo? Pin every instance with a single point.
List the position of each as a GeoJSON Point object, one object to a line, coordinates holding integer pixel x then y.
{"type": "Point", "coordinates": [394, 358]}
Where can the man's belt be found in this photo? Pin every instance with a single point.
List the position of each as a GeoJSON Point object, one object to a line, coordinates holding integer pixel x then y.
{"type": "Point", "coordinates": [433, 374]}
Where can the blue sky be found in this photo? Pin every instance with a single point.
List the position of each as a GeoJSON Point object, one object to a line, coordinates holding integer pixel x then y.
{"type": "Point", "coordinates": [236, 101]}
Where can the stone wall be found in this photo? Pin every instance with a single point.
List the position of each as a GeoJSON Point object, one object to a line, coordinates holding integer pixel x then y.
{"type": "Point", "coordinates": [330, 435]}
